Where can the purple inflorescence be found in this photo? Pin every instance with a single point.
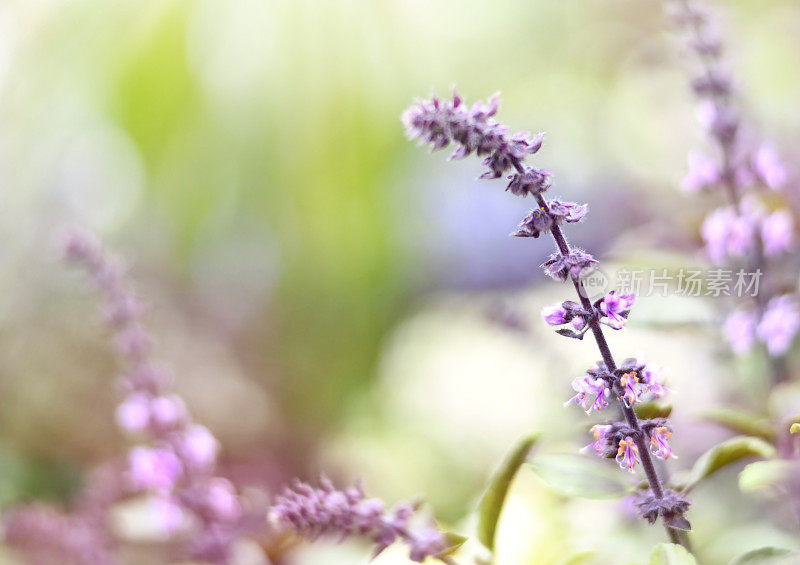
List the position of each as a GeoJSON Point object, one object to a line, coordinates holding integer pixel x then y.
{"type": "Point", "coordinates": [175, 458]}
{"type": "Point", "coordinates": [743, 230]}
{"type": "Point", "coordinates": [440, 123]}
{"type": "Point", "coordinates": [314, 512]}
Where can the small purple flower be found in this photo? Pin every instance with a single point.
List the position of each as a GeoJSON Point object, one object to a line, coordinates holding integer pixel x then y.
{"type": "Point", "coordinates": [555, 314]}
{"type": "Point", "coordinates": [133, 415]}
{"type": "Point", "coordinates": [168, 412]}
{"type": "Point", "coordinates": [776, 232]}
{"type": "Point", "coordinates": [629, 383]}
{"type": "Point", "coordinates": [198, 447]}
{"type": "Point", "coordinates": [155, 469]}
{"type": "Point", "coordinates": [627, 455]}
{"type": "Point", "coordinates": [727, 234]}
{"type": "Point", "coordinates": [769, 168]}
{"type": "Point", "coordinates": [740, 330]}
{"type": "Point", "coordinates": [703, 173]}
{"type": "Point", "coordinates": [221, 500]}
{"type": "Point", "coordinates": [616, 308]}
{"type": "Point", "coordinates": [592, 393]}
{"type": "Point", "coordinates": [779, 324]}
{"type": "Point", "coordinates": [573, 265]}
{"type": "Point", "coordinates": [650, 377]}
{"type": "Point", "coordinates": [658, 443]}
{"type": "Point", "coordinates": [600, 443]}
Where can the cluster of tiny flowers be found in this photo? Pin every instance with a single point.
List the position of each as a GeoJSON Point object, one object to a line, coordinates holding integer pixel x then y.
{"type": "Point", "coordinates": [572, 265]}
{"type": "Point", "coordinates": [729, 233]}
{"type": "Point", "coordinates": [175, 457]}
{"type": "Point", "coordinates": [775, 327]}
{"type": "Point", "coordinates": [46, 536]}
{"type": "Point", "coordinates": [440, 123]}
{"type": "Point", "coordinates": [743, 229]}
{"type": "Point", "coordinates": [313, 512]}
{"type": "Point", "coordinates": [633, 378]}
{"type": "Point", "coordinates": [616, 440]}
{"type": "Point", "coordinates": [612, 310]}
{"type": "Point", "coordinates": [540, 220]}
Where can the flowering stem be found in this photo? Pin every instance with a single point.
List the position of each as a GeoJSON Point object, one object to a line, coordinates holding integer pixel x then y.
{"type": "Point", "coordinates": [608, 359]}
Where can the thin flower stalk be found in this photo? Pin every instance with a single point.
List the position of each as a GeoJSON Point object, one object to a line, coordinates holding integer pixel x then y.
{"type": "Point", "coordinates": [631, 442]}
{"type": "Point", "coordinates": [743, 230]}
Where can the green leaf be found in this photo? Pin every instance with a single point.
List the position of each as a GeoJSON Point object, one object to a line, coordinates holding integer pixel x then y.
{"type": "Point", "coordinates": [649, 410]}
{"type": "Point", "coordinates": [493, 499]}
{"type": "Point", "coordinates": [670, 554]}
{"type": "Point", "coordinates": [725, 453]}
{"type": "Point", "coordinates": [454, 543]}
{"type": "Point", "coordinates": [741, 422]}
{"type": "Point", "coordinates": [764, 474]}
{"type": "Point", "coordinates": [795, 429]}
{"type": "Point", "coordinates": [767, 556]}
{"type": "Point", "coordinates": [579, 476]}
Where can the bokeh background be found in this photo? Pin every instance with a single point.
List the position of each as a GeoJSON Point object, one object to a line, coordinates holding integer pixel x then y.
{"type": "Point", "coordinates": [330, 297]}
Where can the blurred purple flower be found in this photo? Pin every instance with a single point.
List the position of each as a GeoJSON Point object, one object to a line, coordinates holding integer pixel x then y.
{"type": "Point", "coordinates": [703, 173]}
{"type": "Point", "coordinates": [555, 314]}
{"type": "Point", "coordinates": [777, 232]}
{"type": "Point", "coordinates": [154, 469]}
{"type": "Point", "coordinates": [740, 329]}
{"type": "Point", "coordinates": [573, 265]}
{"type": "Point", "coordinates": [769, 168]}
{"type": "Point", "coordinates": [727, 234]}
{"type": "Point", "coordinates": [779, 324]}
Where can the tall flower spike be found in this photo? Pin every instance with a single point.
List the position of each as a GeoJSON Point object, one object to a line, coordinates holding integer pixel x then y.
{"type": "Point", "coordinates": [176, 458]}
{"type": "Point", "coordinates": [439, 124]}
{"type": "Point", "coordinates": [738, 231]}
{"type": "Point", "coordinates": [313, 512]}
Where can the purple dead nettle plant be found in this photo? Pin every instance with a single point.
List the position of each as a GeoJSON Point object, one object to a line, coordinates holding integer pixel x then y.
{"type": "Point", "coordinates": [174, 458]}
{"type": "Point", "coordinates": [631, 441]}
{"type": "Point", "coordinates": [743, 232]}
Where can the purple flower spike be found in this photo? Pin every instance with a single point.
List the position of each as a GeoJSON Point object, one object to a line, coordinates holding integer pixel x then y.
{"type": "Point", "coordinates": [777, 232]}
{"type": "Point", "coordinates": [627, 455]}
{"type": "Point", "coordinates": [312, 513]}
{"type": "Point", "coordinates": [439, 123]}
{"type": "Point", "coordinates": [658, 443]}
{"type": "Point", "coordinates": [779, 324]}
{"type": "Point", "coordinates": [616, 307]}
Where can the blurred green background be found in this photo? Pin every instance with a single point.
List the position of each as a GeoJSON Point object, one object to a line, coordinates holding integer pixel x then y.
{"type": "Point", "coordinates": [328, 295]}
